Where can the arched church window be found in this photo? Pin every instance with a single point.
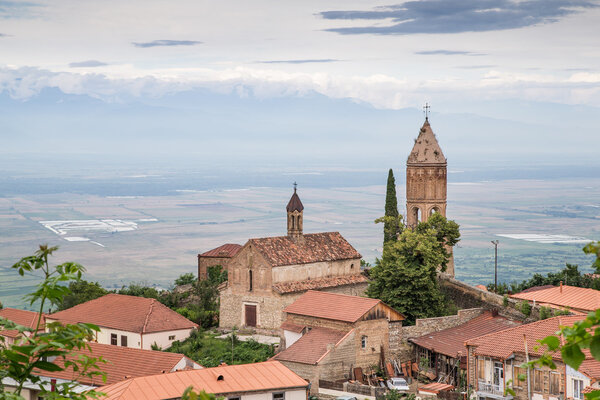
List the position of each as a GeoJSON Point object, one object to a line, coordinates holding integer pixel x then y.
{"type": "Point", "coordinates": [250, 280]}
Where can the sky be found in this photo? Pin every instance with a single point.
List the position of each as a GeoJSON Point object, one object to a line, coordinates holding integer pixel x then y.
{"type": "Point", "coordinates": [485, 57]}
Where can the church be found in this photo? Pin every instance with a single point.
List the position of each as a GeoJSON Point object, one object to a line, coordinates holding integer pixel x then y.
{"type": "Point", "coordinates": [268, 274]}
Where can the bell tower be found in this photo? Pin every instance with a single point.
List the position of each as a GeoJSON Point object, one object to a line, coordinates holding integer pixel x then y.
{"type": "Point", "coordinates": [295, 215]}
{"type": "Point", "coordinates": [426, 170]}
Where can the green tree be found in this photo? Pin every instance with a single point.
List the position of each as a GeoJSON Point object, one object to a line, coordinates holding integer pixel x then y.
{"type": "Point", "coordinates": [185, 279]}
{"type": "Point", "coordinates": [35, 350]}
{"type": "Point", "coordinates": [140, 290]}
{"type": "Point", "coordinates": [446, 234]}
{"type": "Point", "coordinates": [406, 276]}
{"type": "Point", "coordinates": [80, 292]}
{"type": "Point", "coordinates": [392, 219]}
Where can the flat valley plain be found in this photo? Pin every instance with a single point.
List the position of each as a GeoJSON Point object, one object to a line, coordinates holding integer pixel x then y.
{"type": "Point", "coordinates": [174, 225]}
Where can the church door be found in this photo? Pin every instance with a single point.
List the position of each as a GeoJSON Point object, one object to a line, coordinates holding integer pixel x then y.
{"type": "Point", "coordinates": [250, 312]}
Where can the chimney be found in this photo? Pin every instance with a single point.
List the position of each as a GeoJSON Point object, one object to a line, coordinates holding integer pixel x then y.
{"type": "Point", "coordinates": [560, 287]}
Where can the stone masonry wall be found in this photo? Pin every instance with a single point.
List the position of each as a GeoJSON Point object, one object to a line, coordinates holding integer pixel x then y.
{"type": "Point", "coordinates": [307, 372]}
{"type": "Point", "coordinates": [377, 337]}
{"type": "Point", "coordinates": [467, 296]}
{"type": "Point", "coordinates": [337, 363]}
{"type": "Point", "coordinates": [403, 350]}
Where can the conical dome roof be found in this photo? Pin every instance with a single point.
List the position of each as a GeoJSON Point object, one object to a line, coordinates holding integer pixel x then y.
{"type": "Point", "coordinates": [426, 150]}
{"type": "Point", "coordinates": [294, 204]}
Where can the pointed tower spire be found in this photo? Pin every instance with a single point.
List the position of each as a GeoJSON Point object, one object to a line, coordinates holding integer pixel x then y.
{"type": "Point", "coordinates": [295, 215]}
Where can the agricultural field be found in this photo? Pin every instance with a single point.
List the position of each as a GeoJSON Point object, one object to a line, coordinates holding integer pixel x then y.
{"type": "Point", "coordinates": [153, 238]}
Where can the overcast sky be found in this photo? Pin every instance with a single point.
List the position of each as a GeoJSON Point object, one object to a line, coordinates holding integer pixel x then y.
{"type": "Point", "coordinates": [388, 54]}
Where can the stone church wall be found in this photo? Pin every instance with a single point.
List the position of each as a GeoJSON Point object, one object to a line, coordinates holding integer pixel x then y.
{"type": "Point", "coordinates": [302, 272]}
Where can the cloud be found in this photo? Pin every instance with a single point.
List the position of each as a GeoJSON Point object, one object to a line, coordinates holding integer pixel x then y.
{"type": "Point", "coordinates": [18, 9]}
{"type": "Point", "coordinates": [381, 91]}
{"type": "Point", "coordinates": [448, 53]}
{"type": "Point", "coordinates": [87, 64]}
{"type": "Point", "coordinates": [476, 66]}
{"type": "Point", "coordinates": [456, 16]}
{"type": "Point", "coordinates": [306, 61]}
{"type": "Point", "coordinates": [157, 43]}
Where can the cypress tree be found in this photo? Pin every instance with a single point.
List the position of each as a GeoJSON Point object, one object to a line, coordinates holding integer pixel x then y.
{"type": "Point", "coordinates": [390, 225]}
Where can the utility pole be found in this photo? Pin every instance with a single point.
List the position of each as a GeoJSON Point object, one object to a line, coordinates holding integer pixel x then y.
{"type": "Point", "coordinates": [495, 243]}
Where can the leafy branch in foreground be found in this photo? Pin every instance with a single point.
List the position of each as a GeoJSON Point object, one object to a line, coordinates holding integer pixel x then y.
{"type": "Point", "coordinates": [35, 349]}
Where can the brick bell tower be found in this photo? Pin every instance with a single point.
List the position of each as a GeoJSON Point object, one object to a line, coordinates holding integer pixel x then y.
{"type": "Point", "coordinates": [295, 211]}
{"type": "Point", "coordinates": [426, 181]}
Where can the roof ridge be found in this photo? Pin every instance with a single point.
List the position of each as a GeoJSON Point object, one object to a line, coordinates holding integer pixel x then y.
{"type": "Point", "coordinates": [148, 316]}
{"type": "Point", "coordinates": [320, 292]}
{"type": "Point", "coordinates": [286, 236]}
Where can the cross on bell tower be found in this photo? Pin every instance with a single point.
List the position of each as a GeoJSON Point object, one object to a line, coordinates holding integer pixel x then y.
{"type": "Point", "coordinates": [426, 109]}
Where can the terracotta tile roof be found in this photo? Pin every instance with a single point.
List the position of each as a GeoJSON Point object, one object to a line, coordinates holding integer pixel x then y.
{"type": "Point", "coordinates": [536, 288]}
{"type": "Point", "coordinates": [258, 377]}
{"type": "Point", "coordinates": [436, 387]}
{"type": "Point", "coordinates": [294, 204]}
{"type": "Point", "coordinates": [123, 363]}
{"type": "Point", "coordinates": [321, 283]}
{"type": "Point", "coordinates": [20, 317]}
{"type": "Point", "coordinates": [227, 250]}
{"type": "Point", "coordinates": [127, 313]}
{"type": "Point", "coordinates": [482, 287]}
{"type": "Point", "coordinates": [335, 306]}
{"type": "Point", "coordinates": [288, 326]}
{"type": "Point", "coordinates": [567, 296]}
{"type": "Point", "coordinates": [451, 341]}
{"type": "Point", "coordinates": [504, 343]}
{"type": "Point", "coordinates": [310, 248]}
{"type": "Point", "coordinates": [312, 347]}
{"type": "Point", "coordinates": [590, 366]}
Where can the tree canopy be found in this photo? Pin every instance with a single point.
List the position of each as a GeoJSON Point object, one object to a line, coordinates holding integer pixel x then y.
{"type": "Point", "coordinates": [406, 276]}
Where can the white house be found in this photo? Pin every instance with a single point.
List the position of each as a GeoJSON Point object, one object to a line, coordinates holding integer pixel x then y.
{"type": "Point", "coordinates": [129, 321]}
{"type": "Point", "coordinates": [268, 380]}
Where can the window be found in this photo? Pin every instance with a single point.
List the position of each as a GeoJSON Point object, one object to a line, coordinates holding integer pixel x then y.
{"type": "Point", "coordinates": [518, 382]}
{"type": "Point", "coordinates": [554, 383]}
{"type": "Point", "coordinates": [113, 339]}
{"type": "Point", "coordinates": [363, 342]}
{"type": "Point", "coordinates": [538, 380]}
{"type": "Point", "coordinates": [233, 398]}
{"type": "Point", "coordinates": [172, 337]}
{"type": "Point", "coordinates": [123, 340]}
{"type": "Point", "coordinates": [278, 396]}
{"type": "Point", "coordinates": [250, 280]}
{"type": "Point", "coordinates": [577, 389]}
{"type": "Point", "coordinates": [481, 369]}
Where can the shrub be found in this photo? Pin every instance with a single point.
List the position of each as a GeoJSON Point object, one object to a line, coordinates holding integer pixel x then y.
{"type": "Point", "coordinates": [525, 308]}
{"type": "Point", "coordinates": [505, 301]}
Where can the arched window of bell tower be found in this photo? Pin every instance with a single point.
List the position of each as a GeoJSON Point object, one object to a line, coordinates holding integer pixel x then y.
{"type": "Point", "coordinates": [433, 211]}
{"type": "Point", "coordinates": [417, 216]}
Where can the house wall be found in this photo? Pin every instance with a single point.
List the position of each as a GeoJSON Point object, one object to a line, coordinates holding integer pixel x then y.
{"type": "Point", "coordinates": [269, 309]}
{"type": "Point", "coordinates": [318, 322]}
{"type": "Point", "coordinates": [337, 363]}
{"type": "Point", "coordinates": [571, 375]}
{"type": "Point", "coordinates": [308, 372]}
{"type": "Point", "coordinates": [377, 336]}
{"type": "Point", "coordinates": [205, 262]}
{"type": "Point", "coordinates": [289, 338]}
{"type": "Point", "coordinates": [133, 339]}
{"type": "Point", "coordinates": [289, 395]}
{"type": "Point", "coordinates": [510, 373]}
{"type": "Point", "coordinates": [162, 338]}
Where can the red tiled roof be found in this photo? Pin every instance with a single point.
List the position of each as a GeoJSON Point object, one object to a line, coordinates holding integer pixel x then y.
{"type": "Point", "coordinates": [504, 343]}
{"type": "Point", "coordinates": [264, 376]}
{"type": "Point", "coordinates": [590, 366]}
{"type": "Point", "coordinates": [127, 313]}
{"type": "Point", "coordinates": [320, 283]}
{"type": "Point", "coordinates": [482, 287]}
{"type": "Point", "coordinates": [565, 296]}
{"type": "Point", "coordinates": [123, 363]}
{"type": "Point", "coordinates": [335, 306]}
{"type": "Point", "coordinates": [288, 326]}
{"type": "Point", "coordinates": [309, 248]}
{"type": "Point", "coordinates": [451, 341]}
{"type": "Point", "coordinates": [20, 317]}
{"type": "Point", "coordinates": [227, 250]}
{"type": "Point", "coordinates": [311, 347]}
{"type": "Point", "coordinates": [435, 387]}
{"type": "Point", "coordinates": [536, 288]}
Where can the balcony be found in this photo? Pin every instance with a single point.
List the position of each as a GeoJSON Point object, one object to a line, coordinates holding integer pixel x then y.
{"type": "Point", "coordinates": [486, 389]}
